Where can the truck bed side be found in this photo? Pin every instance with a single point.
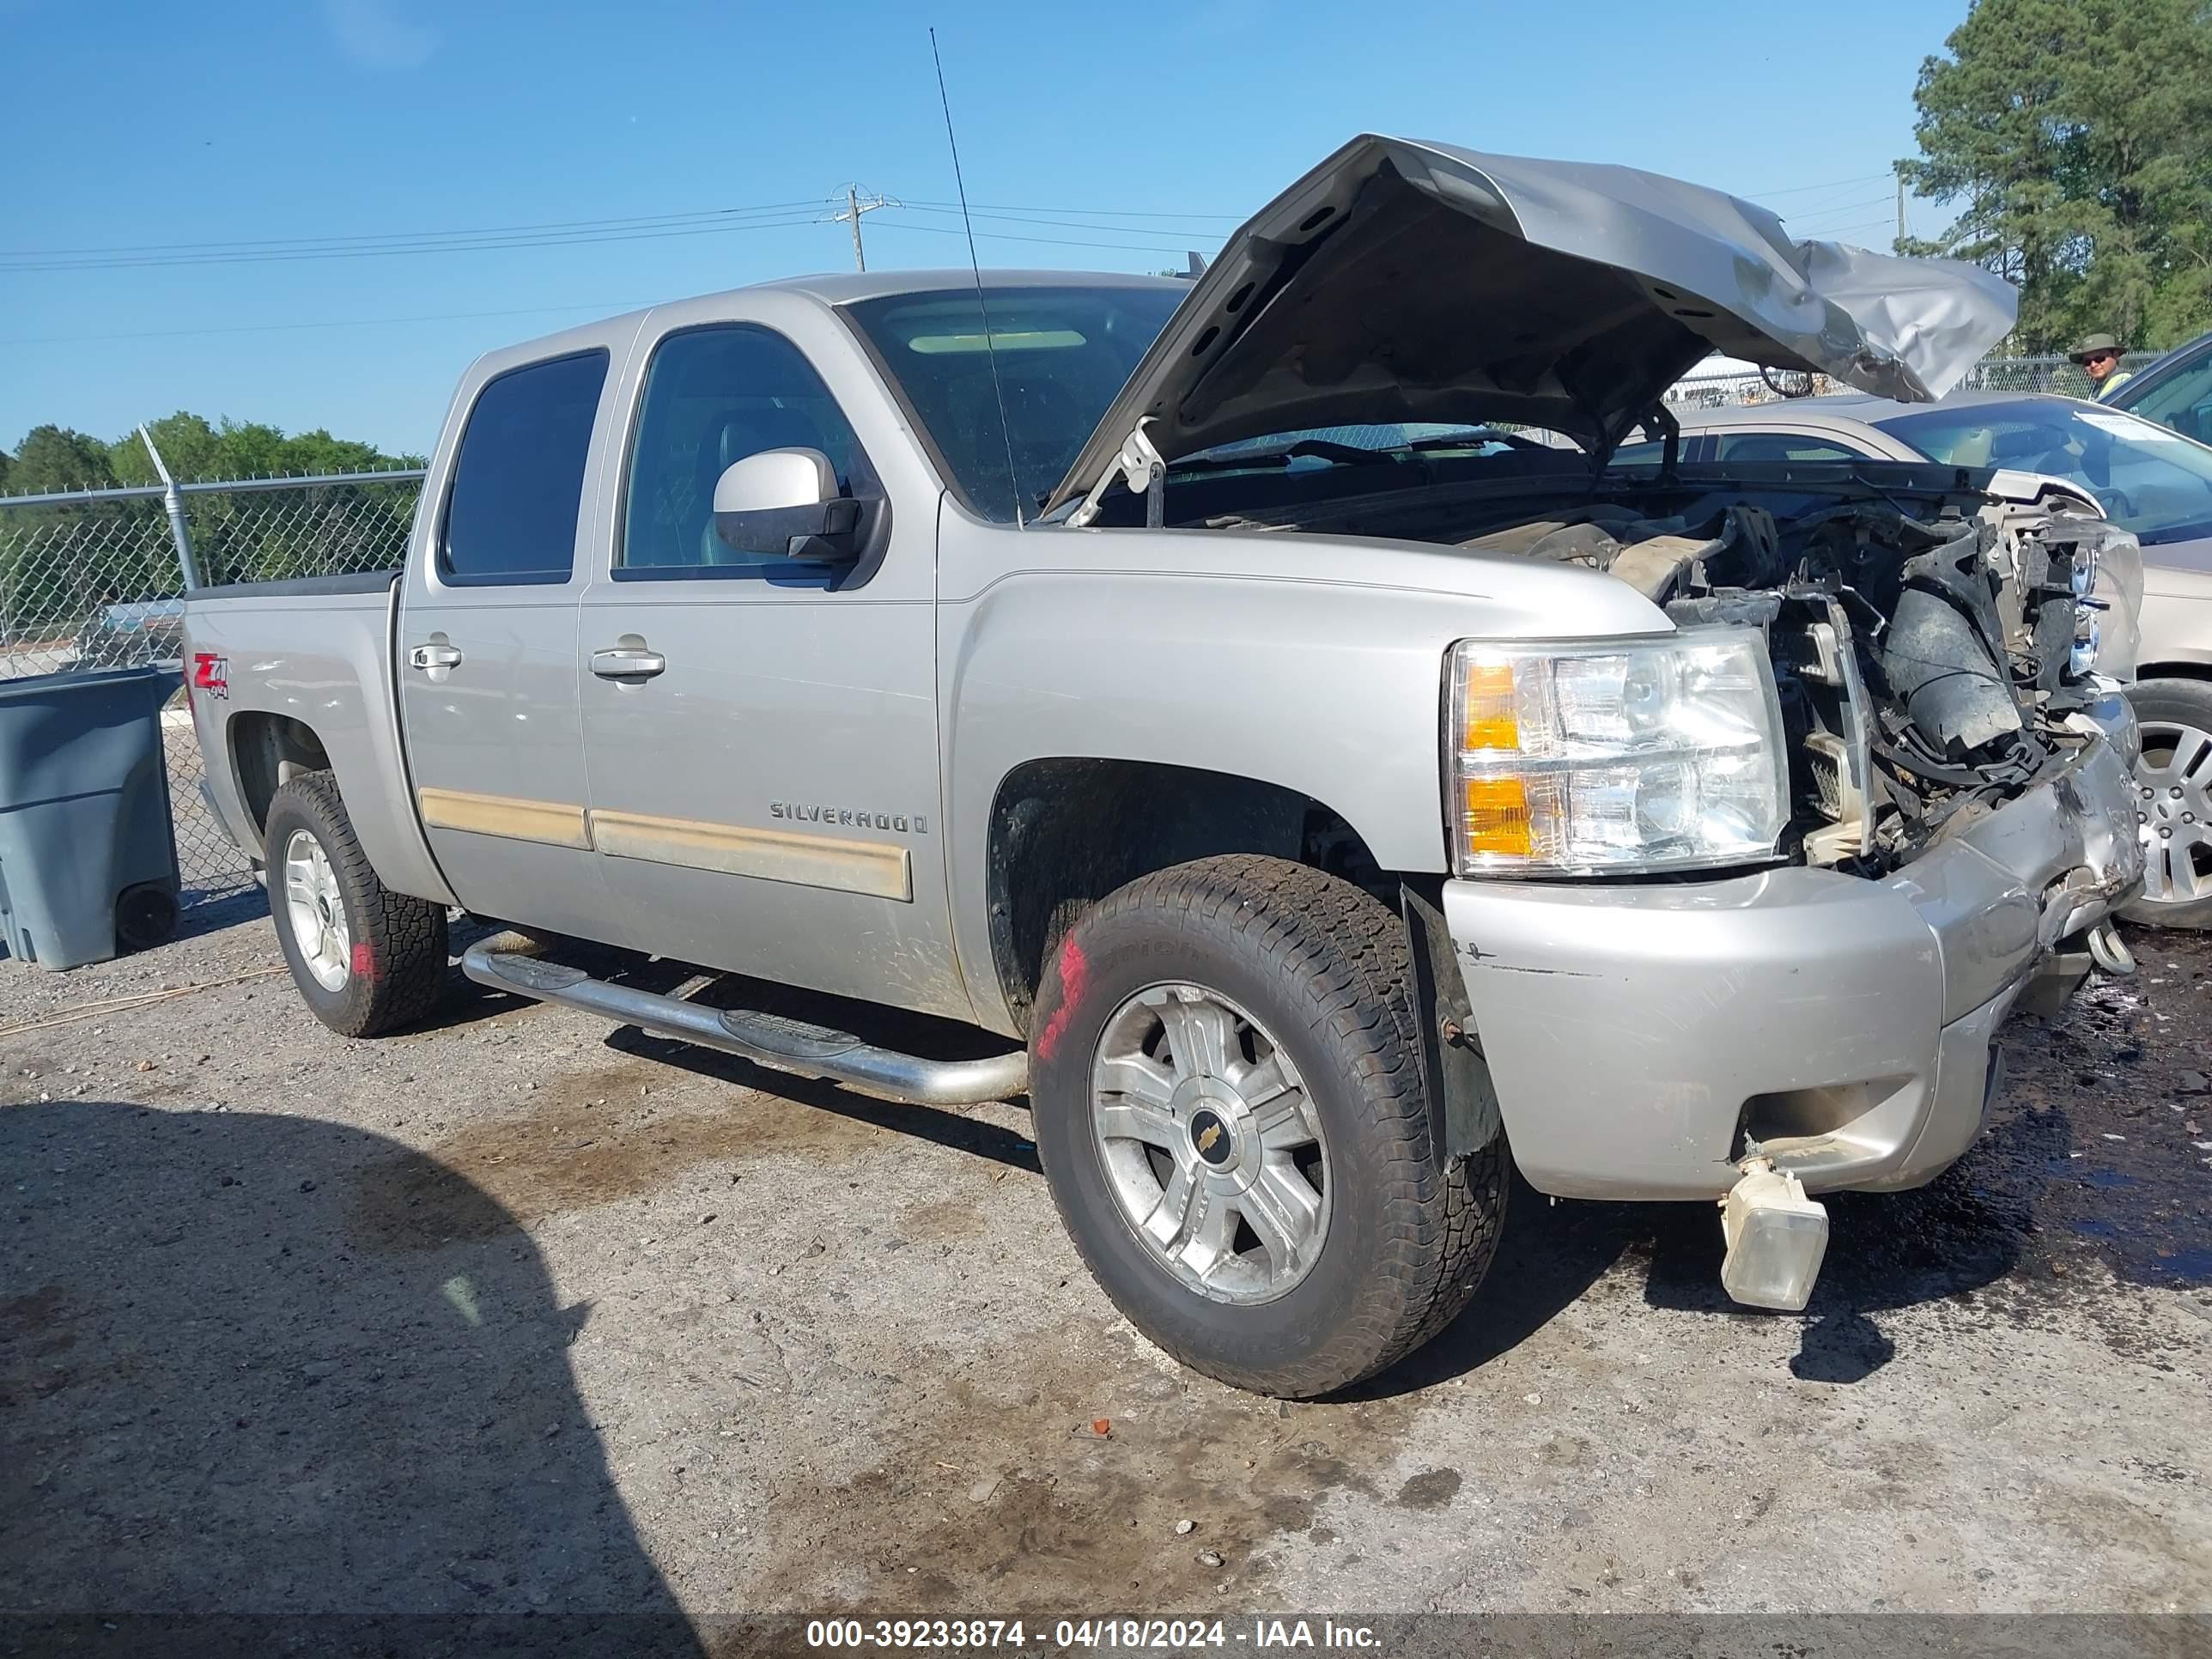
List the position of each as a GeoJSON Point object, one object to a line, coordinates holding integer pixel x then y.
{"type": "Point", "coordinates": [299, 674]}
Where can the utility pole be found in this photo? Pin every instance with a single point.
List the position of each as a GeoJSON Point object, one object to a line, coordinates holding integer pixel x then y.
{"type": "Point", "coordinates": [1900, 212]}
{"type": "Point", "coordinates": [855, 206]}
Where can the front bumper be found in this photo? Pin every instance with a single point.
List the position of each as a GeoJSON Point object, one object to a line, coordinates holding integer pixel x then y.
{"type": "Point", "coordinates": [1644, 1039]}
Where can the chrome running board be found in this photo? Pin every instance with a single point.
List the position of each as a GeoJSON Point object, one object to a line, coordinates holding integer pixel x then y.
{"type": "Point", "coordinates": [789, 1045]}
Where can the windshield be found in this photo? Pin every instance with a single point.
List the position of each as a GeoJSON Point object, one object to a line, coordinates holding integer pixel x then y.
{"type": "Point", "coordinates": [2149, 479]}
{"type": "Point", "coordinates": [1062, 353]}
{"type": "Point", "coordinates": [1312, 448]}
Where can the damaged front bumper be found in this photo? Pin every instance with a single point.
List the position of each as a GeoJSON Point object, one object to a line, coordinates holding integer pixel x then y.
{"type": "Point", "coordinates": [1644, 1040]}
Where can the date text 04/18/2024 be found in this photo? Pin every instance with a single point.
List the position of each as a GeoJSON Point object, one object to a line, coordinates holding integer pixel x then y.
{"type": "Point", "coordinates": [1088, 1635]}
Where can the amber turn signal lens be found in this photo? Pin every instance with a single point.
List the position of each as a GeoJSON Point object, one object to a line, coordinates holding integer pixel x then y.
{"type": "Point", "coordinates": [1487, 719]}
{"type": "Point", "coordinates": [1497, 816]}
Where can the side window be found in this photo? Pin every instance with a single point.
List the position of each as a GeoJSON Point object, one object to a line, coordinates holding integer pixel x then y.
{"type": "Point", "coordinates": [1781, 447]}
{"type": "Point", "coordinates": [713, 395]}
{"type": "Point", "coordinates": [2184, 402]}
{"type": "Point", "coordinates": [518, 478]}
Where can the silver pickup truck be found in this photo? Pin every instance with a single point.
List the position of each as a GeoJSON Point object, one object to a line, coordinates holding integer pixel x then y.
{"type": "Point", "coordinates": [1257, 704]}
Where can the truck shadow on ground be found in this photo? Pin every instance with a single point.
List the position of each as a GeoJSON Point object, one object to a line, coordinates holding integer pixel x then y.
{"type": "Point", "coordinates": [1884, 1253]}
{"type": "Point", "coordinates": [941, 1125]}
{"type": "Point", "coordinates": [211, 911]}
{"type": "Point", "coordinates": [2031, 1216]}
{"type": "Point", "coordinates": [906, 1033]}
{"type": "Point", "coordinates": [2006, 1216]}
{"type": "Point", "coordinates": [215, 1406]}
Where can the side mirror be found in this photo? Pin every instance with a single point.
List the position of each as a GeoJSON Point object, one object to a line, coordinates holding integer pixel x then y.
{"type": "Point", "coordinates": [784, 504]}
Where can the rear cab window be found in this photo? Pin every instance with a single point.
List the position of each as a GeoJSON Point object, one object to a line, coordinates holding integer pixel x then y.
{"type": "Point", "coordinates": [518, 486]}
{"type": "Point", "coordinates": [1785, 447]}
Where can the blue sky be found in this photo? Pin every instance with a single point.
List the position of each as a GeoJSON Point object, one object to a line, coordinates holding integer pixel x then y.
{"type": "Point", "coordinates": [183, 131]}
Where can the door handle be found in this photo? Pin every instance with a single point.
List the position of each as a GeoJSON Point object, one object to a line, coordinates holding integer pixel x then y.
{"type": "Point", "coordinates": [433, 656]}
{"type": "Point", "coordinates": [624, 662]}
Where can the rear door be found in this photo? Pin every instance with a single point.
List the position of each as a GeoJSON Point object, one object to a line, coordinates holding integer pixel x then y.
{"type": "Point", "coordinates": [487, 645]}
{"type": "Point", "coordinates": [762, 734]}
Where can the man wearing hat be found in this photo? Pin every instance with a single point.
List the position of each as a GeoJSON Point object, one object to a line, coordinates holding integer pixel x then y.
{"type": "Point", "coordinates": [2100, 354]}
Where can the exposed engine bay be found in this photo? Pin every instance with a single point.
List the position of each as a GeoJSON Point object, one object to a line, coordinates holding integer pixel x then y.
{"type": "Point", "coordinates": [1926, 667]}
{"type": "Point", "coordinates": [1932, 645]}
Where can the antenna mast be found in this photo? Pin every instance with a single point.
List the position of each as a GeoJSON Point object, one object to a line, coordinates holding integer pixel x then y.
{"type": "Point", "coordinates": [990, 346]}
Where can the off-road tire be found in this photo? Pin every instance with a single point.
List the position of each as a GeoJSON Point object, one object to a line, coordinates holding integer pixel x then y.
{"type": "Point", "coordinates": [397, 972]}
{"type": "Point", "coordinates": [1324, 967]}
{"type": "Point", "coordinates": [2178, 702]}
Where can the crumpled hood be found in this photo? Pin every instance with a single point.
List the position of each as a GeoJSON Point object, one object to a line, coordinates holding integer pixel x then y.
{"type": "Point", "coordinates": [1405, 281]}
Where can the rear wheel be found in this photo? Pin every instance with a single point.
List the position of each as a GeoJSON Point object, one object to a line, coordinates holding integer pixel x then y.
{"type": "Point", "coordinates": [1230, 1106]}
{"type": "Point", "coordinates": [2173, 802]}
{"type": "Point", "coordinates": [366, 960]}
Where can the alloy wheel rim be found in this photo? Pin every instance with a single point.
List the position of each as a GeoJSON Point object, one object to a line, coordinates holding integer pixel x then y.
{"type": "Point", "coordinates": [2173, 808]}
{"type": "Point", "coordinates": [1211, 1144]}
{"type": "Point", "coordinates": [317, 911]}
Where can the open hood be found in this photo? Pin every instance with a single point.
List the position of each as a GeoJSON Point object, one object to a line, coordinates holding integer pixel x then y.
{"type": "Point", "coordinates": [1403, 281]}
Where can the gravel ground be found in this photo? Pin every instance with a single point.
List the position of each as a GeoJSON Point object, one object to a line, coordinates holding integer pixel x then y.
{"type": "Point", "coordinates": [520, 1313]}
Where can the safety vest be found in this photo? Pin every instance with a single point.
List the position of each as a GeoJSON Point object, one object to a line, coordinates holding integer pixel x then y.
{"type": "Point", "coordinates": [2114, 384]}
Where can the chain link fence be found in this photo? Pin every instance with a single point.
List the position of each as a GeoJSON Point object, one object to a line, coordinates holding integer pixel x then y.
{"type": "Point", "coordinates": [95, 579]}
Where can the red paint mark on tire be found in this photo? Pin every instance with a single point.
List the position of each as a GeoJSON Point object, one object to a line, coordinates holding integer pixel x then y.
{"type": "Point", "coordinates": [1074, 976]}
{"type": "Point", "coordinates": [364, 961]}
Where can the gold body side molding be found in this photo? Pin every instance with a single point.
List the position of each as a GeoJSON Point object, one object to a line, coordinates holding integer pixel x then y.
{"type": "Point", "coordinates": [874, 868]}
{"type": "Point", "coordinates": [846, 866]}
{"type": "Point", "coordinates": [546, 821]}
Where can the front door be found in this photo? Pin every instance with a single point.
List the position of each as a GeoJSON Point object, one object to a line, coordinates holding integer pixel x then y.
{"type": "Point", "coordinates": [762, 734]}
{"type": "Point", "coordinates": [486, 653]}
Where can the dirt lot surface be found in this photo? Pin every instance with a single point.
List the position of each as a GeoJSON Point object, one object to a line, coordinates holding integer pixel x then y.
{"type": "Point", "coordinates": [522, 1313]}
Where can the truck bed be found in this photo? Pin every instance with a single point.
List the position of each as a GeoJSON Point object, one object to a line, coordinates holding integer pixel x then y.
{"type": "Point", "coordinates": [301, 587]}
{"type": "Point", "coordinates": [300, 674]}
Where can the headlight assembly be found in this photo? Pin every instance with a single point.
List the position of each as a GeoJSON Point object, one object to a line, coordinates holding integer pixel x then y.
{"type": "Point", "coordinates": [1615, 755]}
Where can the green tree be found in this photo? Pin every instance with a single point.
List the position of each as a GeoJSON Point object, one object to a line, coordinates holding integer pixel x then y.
{"type": "Point", "coordinates": [195, 450]}
{"type": "Point", "coordinates": [53, 457]}
{"type": "Point", "coordinates": [2074, 137]}
{"type": "Point", "coordinates": [190, 447]}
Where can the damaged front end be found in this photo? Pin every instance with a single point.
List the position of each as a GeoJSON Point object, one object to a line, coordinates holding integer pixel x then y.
{"type": "Point", "coordinates": [1935, 654]}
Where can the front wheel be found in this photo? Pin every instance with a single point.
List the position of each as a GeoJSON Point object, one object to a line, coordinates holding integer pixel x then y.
{"type": "Point", "coordinates": [366, 960]}
{"type": "Point", "coordinates": [2173, 802]}
{"type": "Point", "coordinates": [1228, 1102]}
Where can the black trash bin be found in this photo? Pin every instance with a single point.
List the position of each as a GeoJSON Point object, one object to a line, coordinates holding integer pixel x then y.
{"type": "Point", "coordinates": [87, 853]}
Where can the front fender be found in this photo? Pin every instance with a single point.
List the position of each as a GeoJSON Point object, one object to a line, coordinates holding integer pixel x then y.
{"type": "Point", "coordinates": [1312, 665]}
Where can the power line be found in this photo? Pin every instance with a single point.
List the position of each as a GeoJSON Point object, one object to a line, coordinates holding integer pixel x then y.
{"type": "Point", "coordinates": [1801, 190]}
{"type": "Point", "coordinates": [1096, 213]}
{"type": "Point", "coordinates": [1830, 235]}
{"type": "Point", "coordinates": [659, 227]}
{"type": "Point", "coordinates": [1065, 224]}
{"type": "Point", "coordinates": [273, 250]}
{"type": "Point", "coordinates": [598, 307]}
{"type": "Point", "coordinates": [1049, 242]}
{"type": "Point", "coordinates": [280, 243]}
{"type": "Point", "coordinates": [1836, 208]}
{"type": "Point", "coordinates": [485, 245]}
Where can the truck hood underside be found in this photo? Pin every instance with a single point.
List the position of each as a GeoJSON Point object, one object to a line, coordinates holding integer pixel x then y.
{"type": "Point", "coordinates": [1402, 281]}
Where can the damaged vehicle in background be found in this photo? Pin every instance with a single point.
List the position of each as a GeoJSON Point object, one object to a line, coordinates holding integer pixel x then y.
{"type": "Point", "coordinates": [1323, 789]}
